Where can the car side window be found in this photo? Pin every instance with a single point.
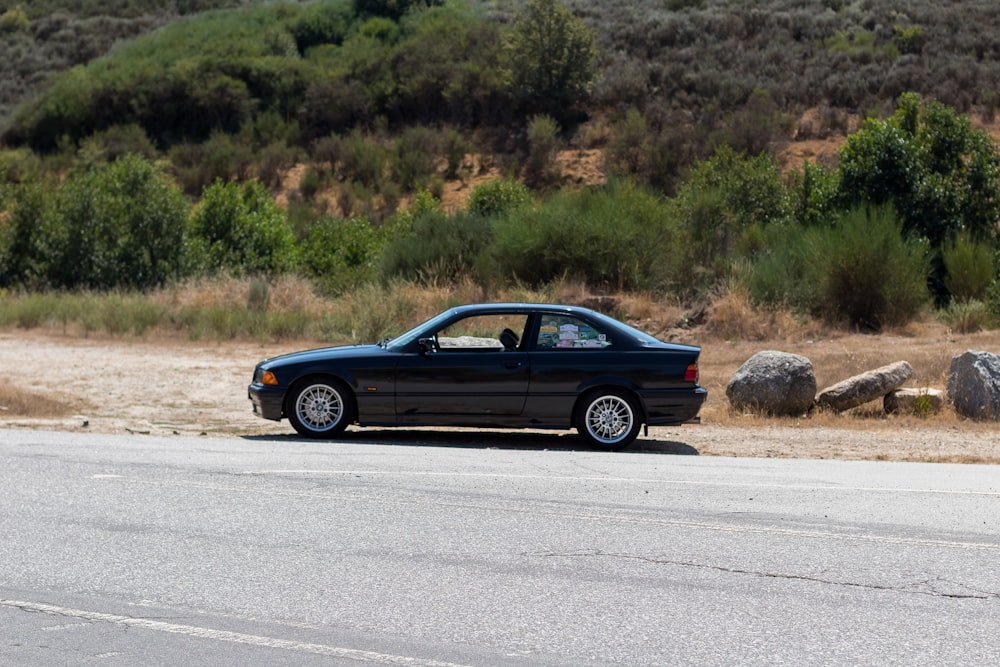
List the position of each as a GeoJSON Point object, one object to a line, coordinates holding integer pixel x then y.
{"type": "Point", "coordinates": [563, 332]}
{"type": "Point", "coordinates": [482, 333]}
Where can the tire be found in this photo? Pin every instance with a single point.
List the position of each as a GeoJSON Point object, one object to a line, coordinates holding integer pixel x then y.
{"type": "Point", "coordinates": [320, 408]}
{"type": "Point", "coordinates": [609, 419]}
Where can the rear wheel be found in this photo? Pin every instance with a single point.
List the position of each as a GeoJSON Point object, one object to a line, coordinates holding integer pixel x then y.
{"type": "Point", "coordinates": [609, 418]}
{"type": "Point", "coordinates": [320, 408]}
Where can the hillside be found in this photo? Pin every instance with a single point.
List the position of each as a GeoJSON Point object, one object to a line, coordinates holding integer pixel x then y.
{"type": "Point", "coordinates": [442, 140]}
{"type": "Point", "coordinates": [691, 62]}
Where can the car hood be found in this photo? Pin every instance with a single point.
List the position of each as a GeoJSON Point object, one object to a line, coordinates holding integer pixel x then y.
{"type": "Point", "coordinates": [323, 353]}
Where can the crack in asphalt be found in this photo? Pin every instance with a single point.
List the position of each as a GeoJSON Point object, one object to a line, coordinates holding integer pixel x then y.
{"type": "Point", "coordinates": [913, 587]}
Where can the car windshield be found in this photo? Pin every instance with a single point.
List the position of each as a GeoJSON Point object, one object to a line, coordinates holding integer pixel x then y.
{"type": "Point", "coordinates": [410, 336]}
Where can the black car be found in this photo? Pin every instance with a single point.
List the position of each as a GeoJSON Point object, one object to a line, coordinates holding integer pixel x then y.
{"type": "Point", "coordinates": [494, 365]}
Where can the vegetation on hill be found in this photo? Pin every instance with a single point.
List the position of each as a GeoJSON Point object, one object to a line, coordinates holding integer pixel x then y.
{"type": "Point", "coordinates": [150, 164]}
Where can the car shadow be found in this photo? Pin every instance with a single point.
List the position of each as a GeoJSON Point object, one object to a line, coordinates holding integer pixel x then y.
{"type": "Point", "coordinates": [558, 441]}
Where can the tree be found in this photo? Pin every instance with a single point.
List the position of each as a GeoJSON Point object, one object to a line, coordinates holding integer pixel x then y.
{"type": "Point", "coordinates": [118, 226]}
{"type": "Point", "coordinates": [942, 175]}
{"type": "Point", "coordinates": [550, 59]}
{"type": "Point", "coordinates": [239, 229]}
{"type": "Point", "coordinates": [726, 204]}
{"type": "Point", "coordinates": [25, 252]}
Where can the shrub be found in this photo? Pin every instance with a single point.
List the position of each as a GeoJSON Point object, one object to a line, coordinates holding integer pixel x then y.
{"type": "Point", "coordinates": [498, 197]}
{"type": "Point", "coordinates": [340, 254]}
{"type": "Point", "coordinates": [437, 246]}
{"type": "Point", "coordinates": [118, 226]}
{"type": "Point", "coordinates": [626, 154]}
{"type": "Point", "coordinates": [311, 183]}
{"type": "Point", "coordinates": [274, 161]}
{"type": "Point", "coordinates": [238, 229]}
{"type": "Point", "coordinates": [541, 170]}
{"type": "Point", "coordinates": [755, 126]}
{"type": "Point", "coordinates": [724, 207]}
{"type": "Point", "coordinates": [968, 316]}
{"type": "Point", "coordinates": [970, 267]}
{"type": "Point", "coordinates": [362, 160]}
{"type": "Point", "coordinates": [787, 272]}
{"type": "Point", "coordinates": [814, 195]}
{"type": "Point", "coordinates": [26, 237]}
{"type": "Point", "coordinates": [116, 142]}
{"type": "Point", "coordinates": [620, 237]}
{"type": "Point", "coordinates": [415, 158]}
{"type": "Point", "coordinates": [871, 277]}
{"type": "Point", "coordinates": [14, 20]}
{"type": "Point", "coordinates": [199, 165]}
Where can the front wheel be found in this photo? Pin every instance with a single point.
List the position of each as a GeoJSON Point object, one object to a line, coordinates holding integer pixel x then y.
{"type": "Point", "coordinates": [319, 408]}
{"type": "Point", "coordinates": [608, 419]}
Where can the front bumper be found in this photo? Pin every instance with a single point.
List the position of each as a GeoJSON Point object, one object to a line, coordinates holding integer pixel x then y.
{"type": "Point", "coordinates": [267, 401]}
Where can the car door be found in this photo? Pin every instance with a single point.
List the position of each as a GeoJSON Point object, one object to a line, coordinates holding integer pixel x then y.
{"type": "Point", "coordinates": [468, 376]}
{"type": "Point", "coordinates": [566, 353]}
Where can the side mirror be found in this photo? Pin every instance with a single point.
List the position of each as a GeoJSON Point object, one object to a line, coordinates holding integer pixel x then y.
{"type": "Point", "coordinates": [426, 346]}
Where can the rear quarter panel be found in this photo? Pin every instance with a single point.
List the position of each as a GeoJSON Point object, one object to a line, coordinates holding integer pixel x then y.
{"type": "Point", "coordinates": [558, 377]}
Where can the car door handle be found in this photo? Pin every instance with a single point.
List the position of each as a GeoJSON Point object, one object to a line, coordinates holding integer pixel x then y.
{"type": "Point", "coordinates": [514, 364]}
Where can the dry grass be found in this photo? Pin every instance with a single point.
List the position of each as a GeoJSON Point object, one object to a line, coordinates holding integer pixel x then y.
{"type": "Point", "coordinates": [928, 346]}
{"type": "Point", "coordinates": [18, 402]}
{"type": "Point", "coordinates": [729, 329]}
{"type": "Point", "coordinates": [285, 293]}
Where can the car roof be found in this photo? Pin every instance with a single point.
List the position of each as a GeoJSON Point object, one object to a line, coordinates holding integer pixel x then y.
{"type": "Point", "coordinates": [521, 307]}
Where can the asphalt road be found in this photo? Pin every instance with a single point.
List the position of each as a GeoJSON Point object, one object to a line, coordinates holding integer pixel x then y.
{"type": "Point", "coordinates": [409, 548]}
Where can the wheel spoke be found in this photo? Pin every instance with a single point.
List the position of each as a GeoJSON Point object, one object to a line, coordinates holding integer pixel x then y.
{"type": "Point", "coordinates": [609, 419]}
{"type": "Point", "coordinates": [319, 407]}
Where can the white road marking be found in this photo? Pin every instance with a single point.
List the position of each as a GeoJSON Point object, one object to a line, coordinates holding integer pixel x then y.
{"type": "Point", "coordinates": [224, 635]}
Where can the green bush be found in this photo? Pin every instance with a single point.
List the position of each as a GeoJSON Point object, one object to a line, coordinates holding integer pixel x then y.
{"type": "Point", "coordinates": [814, 195]}
{"type": "Point", "coordinates": [118, 226]}
{"type": "Point", "coordinates": [541, 170]}
{"type": "Point", "coordinates": [197, 166]}
{"type": "Point", "coordinates": [970, 267]}
{"type": "Point", "coordinates": [239, 230]}
{"type": "Point", "coordinates": [415, 157]}
{"type": "Point", "coordinates": [724, 207]}
{"type": "Point", "coordinates": [498, 197]}
{"type": "Point", "coordinates": [362, 160]}
{"type": "Point", "coordinates": [28, 243]}
{"type": "Point", "coordinates": [14, 20]}
{"type": "Point", "coordinates": [787, 272]}
{"type": "Point", "coordinates": [340, 254]}
{"type": "Point", "coordinates": [870, 275]}
{"type": "Point", "coordinates": [437, 246]}
{"type": "Point", "coordinates": [620, 237]}
{"type": "Point", "coordinates": [859, 270]}
{"type": "Point", "coordinates": [968, 316]}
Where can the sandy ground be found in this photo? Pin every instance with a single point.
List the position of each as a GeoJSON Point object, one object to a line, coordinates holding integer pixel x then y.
{"type": "Point", "coordinates": [189, 388]}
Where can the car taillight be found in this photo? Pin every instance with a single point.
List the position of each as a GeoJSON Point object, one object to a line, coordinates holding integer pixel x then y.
{"type": "Point", "coordinates": [691, 374]}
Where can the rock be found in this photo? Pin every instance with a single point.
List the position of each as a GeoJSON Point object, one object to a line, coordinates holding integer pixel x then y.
{"type": "Point", "coordinates": [974, 384]}
{"type": "Point", "coordinates": [860, 389]}
{"type": "Point", "coordinates": [922, 402]}
{"type": "Point", "coordinates": [774, 383]}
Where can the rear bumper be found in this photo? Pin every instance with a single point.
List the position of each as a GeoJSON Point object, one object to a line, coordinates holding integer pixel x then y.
{"type": "Point", "coordinates": [267, 401]}
{"type": "Point", "coordinates": [673, 406]}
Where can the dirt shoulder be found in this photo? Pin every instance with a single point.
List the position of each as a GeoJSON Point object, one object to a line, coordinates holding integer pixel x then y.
{"type": "Point", "coordinates": [167, 387]}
